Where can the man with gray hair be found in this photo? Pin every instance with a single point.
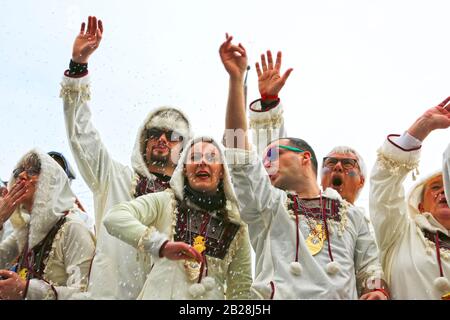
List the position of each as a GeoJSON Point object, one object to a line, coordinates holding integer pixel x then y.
{"type": "Point", "coordinates": [118, 272]}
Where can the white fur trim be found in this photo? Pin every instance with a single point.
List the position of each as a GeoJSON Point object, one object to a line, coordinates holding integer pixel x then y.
{"type": "Point", "coordinates": [333, 267]}
{"type": "Point", "coordinates": [209, 283]}
{"type": "Point", "coordinates": [296, 268]}
{"type": "Point", "coordinates": [442, 284]}
{"type": "Point", "coordinates": [197, 289]}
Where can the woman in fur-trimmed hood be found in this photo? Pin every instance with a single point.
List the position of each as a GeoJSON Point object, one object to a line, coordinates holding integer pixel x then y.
{"type": "Point", "coordinates": [412, 231]}
{"type": "Point", "coordinates": [53, 245]}
{"type": "Point", "coordinates": [193, 230]}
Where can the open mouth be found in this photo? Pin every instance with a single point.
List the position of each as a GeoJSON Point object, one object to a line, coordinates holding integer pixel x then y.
{"type": "Point", "coordinates": [443, 200]}
{"type": "Point", "coordinates": [336, 181]}
{"type": "Point", "coordinates": [202, 175]}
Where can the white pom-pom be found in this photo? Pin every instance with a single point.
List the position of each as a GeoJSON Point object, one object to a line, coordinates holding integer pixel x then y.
{"type": "Point", "coordinates": [442, 284]}
{"type": "Point", "coordinates": [197, 289]}
{"type": "Point", "coordinates": [209, 283]}
{"type": "Point", "coordinates": [333, 267]}
{"type": "Point", "coordinates": [296, 268]}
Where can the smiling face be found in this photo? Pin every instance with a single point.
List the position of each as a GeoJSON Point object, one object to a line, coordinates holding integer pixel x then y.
{"type": "Point", "coordinates": [341, 172]}
{"type": "Point", "coordinates": [204, 168]}
{"type": "Point", "coordinates": [434, 201]}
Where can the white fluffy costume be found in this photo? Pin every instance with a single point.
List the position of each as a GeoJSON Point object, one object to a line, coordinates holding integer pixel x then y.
{"type": "Point", "coordinates": [406, 237]}
{"type": "Point", "coordinates": [285, 267]}
{"type": "Point", "coordinates": [147, 222]}
{"type": "Point", "coordinates": [66, 266]}
{"type": "Point", "coordinates": [117, 271]}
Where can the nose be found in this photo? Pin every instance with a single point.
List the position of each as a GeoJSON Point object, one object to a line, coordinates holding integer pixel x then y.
{"type": "Point", "coordinates": [338, 167]}
{"type": "Point", "coordinates": [23, 175]}
{"type": "Point", "coordinates": [163, 137]}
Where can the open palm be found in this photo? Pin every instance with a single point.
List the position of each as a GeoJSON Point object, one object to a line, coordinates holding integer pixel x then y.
{"type": "Point", "coordinates": [87, 42]}
{"type": "Point", "coordinates": [269, 80]}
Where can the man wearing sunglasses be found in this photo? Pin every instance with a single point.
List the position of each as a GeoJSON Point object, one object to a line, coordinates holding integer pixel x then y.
{"type": "Point", "coordinates": [308, 244]}
{"type": "Point", "coordinates": [116, 273]}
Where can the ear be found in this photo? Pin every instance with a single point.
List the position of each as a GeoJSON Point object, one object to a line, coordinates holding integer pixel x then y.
{"type": "Point", "coordinates": [421, 208]}
{"type": "Point", "coordinates": [362, 181]}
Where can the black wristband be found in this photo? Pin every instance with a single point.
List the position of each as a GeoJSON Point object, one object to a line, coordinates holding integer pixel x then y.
{"type": "Point", "coordinates": [77, 69]}
{"type": "Point", "coordinates": [266, 106]}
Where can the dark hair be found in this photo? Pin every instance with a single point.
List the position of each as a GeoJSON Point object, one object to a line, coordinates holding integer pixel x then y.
{"type": "Point", "coordinates": [302, 144]}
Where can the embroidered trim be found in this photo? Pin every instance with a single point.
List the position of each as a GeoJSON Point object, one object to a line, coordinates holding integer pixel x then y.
{"type": "Point", "coordinates": [51, 256]}
{"type": "Point", "coordinates": [75, 93]}
{"type": "Point", "coordinates": [394, 166]}
{"type": "Point", "coordinates": [271, 123]}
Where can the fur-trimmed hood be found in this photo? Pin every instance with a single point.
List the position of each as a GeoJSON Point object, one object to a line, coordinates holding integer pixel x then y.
{"type": "Point", "coordinates": [423, 220]}
{"type": "Point", "coordinates": [178, 177]}
{"type": "Point", "coordinates": [164, 117]}
{"type": "Point", "coordinates": [53, 197]}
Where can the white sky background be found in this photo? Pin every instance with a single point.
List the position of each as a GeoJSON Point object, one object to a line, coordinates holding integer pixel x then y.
{"type": "Point", "coordinates": [362, 69]}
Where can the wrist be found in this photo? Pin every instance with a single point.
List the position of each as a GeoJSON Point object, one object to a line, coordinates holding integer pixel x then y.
{"type": "Point", "coordinates": [383, 291]}
{"type": "Point", "coordinates": [77, 69]}
{"type": "Point", "coordinates": [269, 97]}
{"type": "Point", "coordinates": [419, 129]}
{"type": "Point", "coordinates": [237, 78]}
{"type": "Point", "coordinates": [161, 249]}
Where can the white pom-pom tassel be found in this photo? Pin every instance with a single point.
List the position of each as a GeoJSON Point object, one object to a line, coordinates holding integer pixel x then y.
{"type": "Point", "coordinates": [209, 283]}
{"type": "Point", "coordinates": [333, 267]}
{"type": "Point", "coordinates": [296, 268]}
{"type": "Point", "coordinates": [197, 289]}
{"type": "Point", "coordinates": [442, 284]}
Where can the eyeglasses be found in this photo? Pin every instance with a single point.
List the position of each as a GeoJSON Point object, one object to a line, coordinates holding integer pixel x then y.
{"type": "Point", "coordinates": [347, 163]}
{"type": "Point", "coordinates": [273, 153]}
{"type": "Point", "coordinates": [171, 135]}
{"type": "Point", "coordinates": [209, 157]}
{"type": "Point", "coordinates": [31, 172]}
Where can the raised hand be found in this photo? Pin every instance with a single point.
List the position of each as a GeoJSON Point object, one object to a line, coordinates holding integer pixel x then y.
{"type": "Point", "coordinates": [180, 251]}
{"type": "Point", "coordinates": [269, 80]}
{"type": "Point", "coordinates": [234, 58]}
{"type": "Point", "coordinates": [87, 42]}
{"type": "Point", "coordinates": [435, 118]}
{"type": "Point", "coordinates": [11, 200]}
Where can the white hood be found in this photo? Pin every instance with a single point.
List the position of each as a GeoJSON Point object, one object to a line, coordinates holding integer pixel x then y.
{"type": "Point", "coordinates": [177, 180]}
{"type": "Point", "coordinates": [163, 117]}
{"type": "Point", "coordinates": [52, 198]}
{"type": "Point", "coordinates": [424, 220]}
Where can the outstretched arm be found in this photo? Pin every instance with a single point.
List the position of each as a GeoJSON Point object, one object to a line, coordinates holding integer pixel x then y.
{"type": "Point", "coordinates": [234, 59]}
{"type": "Point", "coordinates": [398, 156]}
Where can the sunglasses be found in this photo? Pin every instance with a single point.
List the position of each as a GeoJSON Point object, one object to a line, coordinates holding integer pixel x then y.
{"type": "Point", "coordinates": [171, 135]}
{"type": "Point", "coordinates": [31, 172]}
{"type": "Point", "coordinates": [347, 163]}
{"type": "Point", "coordinates": [273, 153]}
{"type": "Point", "coordinates": [209, 157]}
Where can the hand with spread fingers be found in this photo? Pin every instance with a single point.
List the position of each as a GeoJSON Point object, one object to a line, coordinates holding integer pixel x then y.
{"type": "Point", "coordinates": [87, 41]}
{"type": "Point", "coordinates": [12, 287]}
{"type": "Point", "coordinates": [269, 80]}
{"type": "Point", "coordinates": [10, 201]}
{"type": "Point", "coordinates": [435, 118]}
{"type": "Point", "coordinates": [180, 251]}
{"type": "Point", "coordinates": [234, 58]}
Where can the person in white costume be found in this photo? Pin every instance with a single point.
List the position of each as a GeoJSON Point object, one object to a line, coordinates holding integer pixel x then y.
{"type": "Point", "coordinates": [193, 230]}
{"type": "Point", "coordinates": [118, 272]}
{"type": "Point", "coordinates": [51, 249]}
{"type": "Point", "coordinates": [308, 244]}
{"type": "Point", "coordinates": [412, 231]}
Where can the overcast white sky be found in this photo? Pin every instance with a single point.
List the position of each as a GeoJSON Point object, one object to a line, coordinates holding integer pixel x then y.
{"type": "Point", "coordinates": [362, 69]}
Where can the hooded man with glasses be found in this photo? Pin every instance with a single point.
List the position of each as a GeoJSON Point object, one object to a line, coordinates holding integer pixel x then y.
{"type": "Point", "coordinates": [118, 271]}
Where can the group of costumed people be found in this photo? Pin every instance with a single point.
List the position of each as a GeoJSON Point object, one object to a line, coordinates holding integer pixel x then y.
{"type": "Point", "coordinates": [181, 222]}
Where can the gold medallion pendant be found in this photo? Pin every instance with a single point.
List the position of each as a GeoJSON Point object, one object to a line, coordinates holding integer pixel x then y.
{"type": "Point", "coordinates": [315, 240]}
{"type": "Point", "coordinates": [192, 267]}
{"type": "Point", "coordinates": [23, 273]}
